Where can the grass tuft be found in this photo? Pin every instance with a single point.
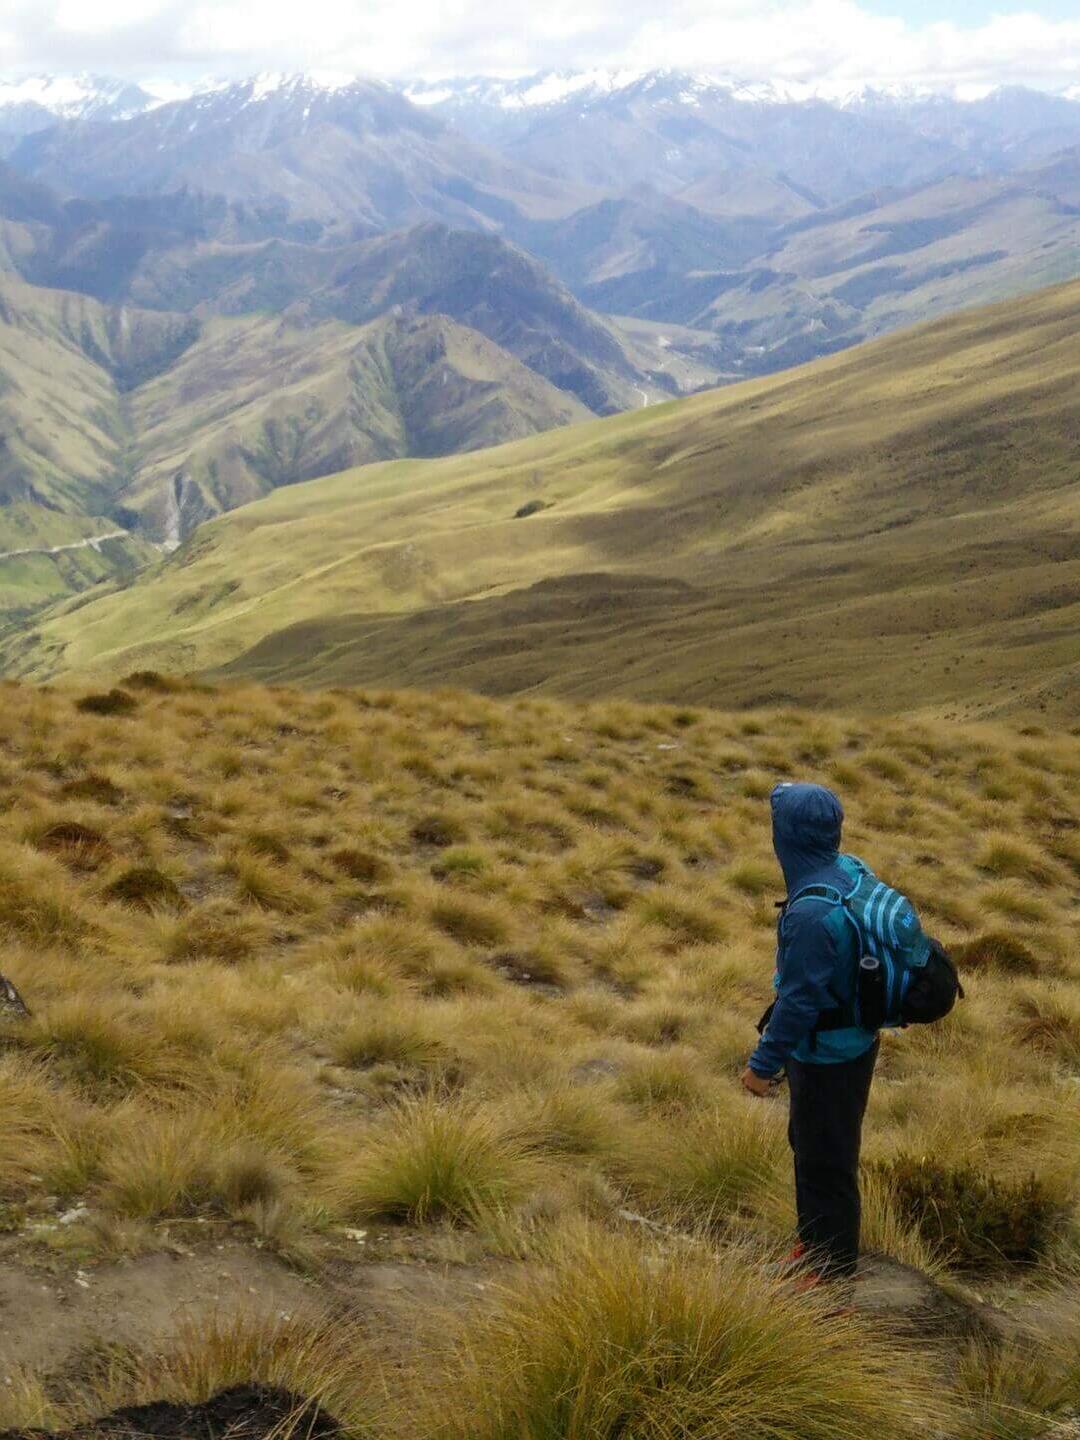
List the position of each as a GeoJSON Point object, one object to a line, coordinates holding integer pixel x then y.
{"type": "Point", "coordinates": [616, 1337]}
{"type": "Point", "coordinates": [437, 1160]}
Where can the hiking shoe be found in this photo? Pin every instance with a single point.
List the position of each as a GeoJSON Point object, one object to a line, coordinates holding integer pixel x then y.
{"type": "Point", "coordinates": [793, 1264]}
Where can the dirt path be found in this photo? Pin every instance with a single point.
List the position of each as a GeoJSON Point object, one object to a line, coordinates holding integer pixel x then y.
{"type": "Point", "coordinates": [91, 542]}
{"type": "Point", "coordinates": [49, 1318]}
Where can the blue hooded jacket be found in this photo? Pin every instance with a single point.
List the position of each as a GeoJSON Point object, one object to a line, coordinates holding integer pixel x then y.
{"type": "Point", "coordinates": [817, 951]}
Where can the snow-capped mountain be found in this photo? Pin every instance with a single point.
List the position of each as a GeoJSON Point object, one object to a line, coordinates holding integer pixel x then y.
{"type": "Point", "coordinates": [297, 152]}
{"type": "Point", "coordinates": [553, 89]}
{"type": "Point", "coordinates": [34, 102]}
{"type": "Point", "coordinates": [677, 131]}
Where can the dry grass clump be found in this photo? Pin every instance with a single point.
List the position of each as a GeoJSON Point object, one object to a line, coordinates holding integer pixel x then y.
{"type": "Point", "coordinates": [110, 702]}
{"type": "Point", "coordinates": [616, 1337]}
{"type": "Point", "coordinates": [997, 950]}
{"type": "Point", "coordinates": [318, 1358]}
{"type": "Point", "coordinates": [1011, 856]}
{"type": "Point", "coordinates": [146, 887]}
{"type": "Point", "coordinates": [436, 1159]}
{"type": "Point", "coordinates": [716, 1166]}
{"type": "Point", "coordinates": [396, 1038]}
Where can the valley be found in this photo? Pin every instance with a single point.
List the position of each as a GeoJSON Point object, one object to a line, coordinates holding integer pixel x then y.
{"type": "Point", "coordinates": [891, 529]}
{"type": "Point", "coordinates": [153, 421]}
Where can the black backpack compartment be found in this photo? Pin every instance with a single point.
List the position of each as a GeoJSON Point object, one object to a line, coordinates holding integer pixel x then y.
{"type": "Point", "coordinates": [933, 990]}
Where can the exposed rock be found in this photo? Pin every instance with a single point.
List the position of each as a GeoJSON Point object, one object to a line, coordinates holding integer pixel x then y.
{"type": "Point", "coordinates": [908, 1299]}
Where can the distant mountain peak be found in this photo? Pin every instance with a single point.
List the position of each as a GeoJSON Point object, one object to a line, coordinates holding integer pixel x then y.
{"type": "Point", "coordinates": [29, 102]}
{"type": "Point", "coordinates": [552, 88]}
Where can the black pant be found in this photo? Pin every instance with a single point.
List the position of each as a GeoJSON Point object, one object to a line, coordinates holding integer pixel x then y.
{"type": "Point", "coordinates": [825, 1130]}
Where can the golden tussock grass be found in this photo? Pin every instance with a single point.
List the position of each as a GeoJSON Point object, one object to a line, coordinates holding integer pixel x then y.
{"type": "Point", "coordinates": [494, 969]}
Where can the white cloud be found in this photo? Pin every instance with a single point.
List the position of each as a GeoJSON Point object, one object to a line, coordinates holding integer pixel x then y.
{"type": "Point", "coordinates": [831, 41]}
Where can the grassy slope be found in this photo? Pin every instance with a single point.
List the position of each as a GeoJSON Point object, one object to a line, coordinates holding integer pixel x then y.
{"type": "Point", "coordinates": [894, 528]}
{"type": "Point", "coordinates": [489, 970]}
{"type": "Point", "coordinates": [262, 402]}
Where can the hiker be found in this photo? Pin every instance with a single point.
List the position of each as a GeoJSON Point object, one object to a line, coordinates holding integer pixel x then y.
{"type": "Point", "coordinates": [851, 957]}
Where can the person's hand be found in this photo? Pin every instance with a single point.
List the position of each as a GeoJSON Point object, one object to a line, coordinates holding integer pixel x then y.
{"type": "Point", "coordinates": [759, 1085]}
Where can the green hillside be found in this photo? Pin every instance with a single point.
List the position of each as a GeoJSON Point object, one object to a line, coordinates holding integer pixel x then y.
{"type": "Point", "coordinates": [118, 419]}
{"type": "Point", "coordinates": [894, 528]}
{"type": "Point", "coordinates": [265, 401]}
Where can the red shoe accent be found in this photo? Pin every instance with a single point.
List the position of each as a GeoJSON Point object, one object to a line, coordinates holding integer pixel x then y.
{"type": "Point", "coordinates": [807, 1281]}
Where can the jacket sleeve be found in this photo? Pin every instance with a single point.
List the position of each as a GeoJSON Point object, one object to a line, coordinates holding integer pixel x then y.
{"type": "Point", "coordinates": [807, 965]}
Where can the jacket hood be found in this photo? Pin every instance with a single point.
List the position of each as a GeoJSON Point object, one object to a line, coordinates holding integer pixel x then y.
{"type": "Point", "coordinates": [807, 822]}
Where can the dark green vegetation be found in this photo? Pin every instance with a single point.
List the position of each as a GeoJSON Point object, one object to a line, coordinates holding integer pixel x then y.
{"type": "Point", "coordinates": [892, 529]}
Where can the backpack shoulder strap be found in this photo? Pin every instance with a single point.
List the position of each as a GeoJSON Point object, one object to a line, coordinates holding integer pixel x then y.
{"type": "Point", "coordinates": [817, 892]}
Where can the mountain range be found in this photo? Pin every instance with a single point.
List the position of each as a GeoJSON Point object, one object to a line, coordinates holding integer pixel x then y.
{"type": "Point", "coordinates": [207, 295]}
{"type": "Point", "coordinates": [783, 227]}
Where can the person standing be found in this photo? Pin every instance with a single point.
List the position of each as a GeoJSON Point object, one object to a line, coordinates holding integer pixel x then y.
{"type": "Point", "coordinates": [812, 1032]}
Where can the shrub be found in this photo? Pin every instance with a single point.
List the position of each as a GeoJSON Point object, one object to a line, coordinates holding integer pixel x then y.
{"type": "Point", "coordinates": [977, 1218]}
{"type": "Point", "coordinates": [997, 950]}
{"type": "Point", "coordinates": [112, 702]}
{"type": "Point", "coordinates": [618, 1338]}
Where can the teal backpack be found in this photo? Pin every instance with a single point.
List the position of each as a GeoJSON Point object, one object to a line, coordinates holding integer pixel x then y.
{"type": "Point", "coordinates": [905, 978]}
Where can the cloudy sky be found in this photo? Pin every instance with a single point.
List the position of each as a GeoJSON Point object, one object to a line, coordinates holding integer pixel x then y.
{"type": "Point", "coordinates": [965, 43]}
